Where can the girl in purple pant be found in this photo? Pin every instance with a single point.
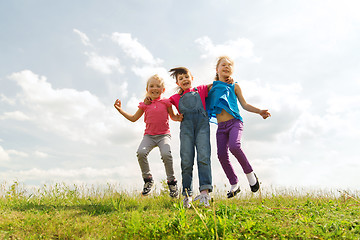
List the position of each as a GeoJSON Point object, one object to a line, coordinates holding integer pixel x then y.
{"type": "Point", "coordinates": [222, 107]}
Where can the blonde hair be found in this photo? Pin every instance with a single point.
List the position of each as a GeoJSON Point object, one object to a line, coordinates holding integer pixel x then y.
{"type": "Point", "coordinates": [218, 62]}
{"type": "Point", "coordinates": [156, 77]}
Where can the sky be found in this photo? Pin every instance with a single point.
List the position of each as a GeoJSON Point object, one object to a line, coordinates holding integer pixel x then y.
{"type": "Point", "coordinates": [63, 64]}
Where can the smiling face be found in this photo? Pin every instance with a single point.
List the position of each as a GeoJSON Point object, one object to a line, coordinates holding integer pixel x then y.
{"type": "Point", "coordinates": [224, 68]}
{"type": "Point", "coordinates": [154, 88]}
{"type": "Point", "coordinates": [184, 81]}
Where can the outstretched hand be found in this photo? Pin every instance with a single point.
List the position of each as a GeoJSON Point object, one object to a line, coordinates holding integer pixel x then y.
{"type": "Point", "coordinates": [265, 114]}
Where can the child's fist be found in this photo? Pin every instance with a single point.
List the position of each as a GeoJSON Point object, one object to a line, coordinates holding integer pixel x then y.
{"type": "Point", "coordinates": [117, 103]}
{"type": "Point", "coordinates": [147, 100]}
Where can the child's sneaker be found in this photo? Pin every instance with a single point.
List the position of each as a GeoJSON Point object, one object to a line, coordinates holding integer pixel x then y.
{"type": "Point", "coordinates": [173, 188]}
{"type": "Point", "coordinates": [255, 187]}
{"type": "Point", "coordinates": [187, 202]}
{"type": "Point", "coordinates": [232, 193]}
{"type": "Point", "coordinates": [204, 199]}
{"type": "Point", "coordinates": [149, 183]}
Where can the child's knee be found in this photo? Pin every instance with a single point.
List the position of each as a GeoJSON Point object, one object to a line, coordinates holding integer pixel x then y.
{"type": "Point", "coordinates": [166, 156]}
{"type": "Point", "coordinates": [222, 154]}
{"type": "Point", "coordinates": [141, 153]}
{"type": "Point", "coordinates": [187, 168]}
{"type": "Point", "coordinates": [235, 146]}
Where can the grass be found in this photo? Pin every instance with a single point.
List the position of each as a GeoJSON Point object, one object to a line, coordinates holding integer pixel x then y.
{"type": "Point", "coordinates": [79, 212]}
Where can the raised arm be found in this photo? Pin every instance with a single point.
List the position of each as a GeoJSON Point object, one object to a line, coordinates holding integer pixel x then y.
{"type": "Point", "coordinates": [132, 118]}
{"type": "Point", "coordinates": [264, 113]}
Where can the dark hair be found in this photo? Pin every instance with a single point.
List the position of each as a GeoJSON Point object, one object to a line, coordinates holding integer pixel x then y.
{"type": "Point", "coordinates": [179, 70]}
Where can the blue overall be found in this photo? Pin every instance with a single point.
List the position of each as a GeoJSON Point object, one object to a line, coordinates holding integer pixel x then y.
{"type": "Point", "coordinates": [194, 132]}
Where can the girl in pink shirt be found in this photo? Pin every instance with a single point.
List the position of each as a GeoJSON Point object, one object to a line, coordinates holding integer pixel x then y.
{"type": "Point", "coordinates": [157, 132]}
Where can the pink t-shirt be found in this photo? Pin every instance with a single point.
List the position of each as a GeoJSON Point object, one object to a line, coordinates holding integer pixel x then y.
{"type": "Point", "coordinates": [156, 116]}
{"type": "Point", "coordinates": [202, 90]}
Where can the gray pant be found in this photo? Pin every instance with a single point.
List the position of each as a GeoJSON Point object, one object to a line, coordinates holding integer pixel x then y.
{"type": "Point", "coordinates": [146, 145]}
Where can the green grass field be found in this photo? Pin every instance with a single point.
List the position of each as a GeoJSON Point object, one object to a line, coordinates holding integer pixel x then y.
{"type": "Point", "coordinates": [79, 212]}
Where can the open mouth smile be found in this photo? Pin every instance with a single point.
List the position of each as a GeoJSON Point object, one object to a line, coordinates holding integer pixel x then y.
{"type": "Point", "coordinates": [185, 84]}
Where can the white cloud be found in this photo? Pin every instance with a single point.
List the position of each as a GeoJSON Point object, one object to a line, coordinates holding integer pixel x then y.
{"type": "Point", "coordinates": [134, 49]}
{"type": "Point", "coordinates": [133, 102]}
{"type": "Point", "coordinates": [308, 127]}
{"type": "Point", "coordinates": [41, 154]}
{"type": "Point", "coordinates": [84, 38]}
{"type": "Point", "coordinates": [147, 71]}
{"type": "Point", "coordinates": [4, 156]}
{"type": "Point", "coordinates": [272, 96]}
{"type": "Point", "coordinates": [79, 116]}
{"type": "Point", "coordinates": [343, 113]}
{"type": "Point", "coordinates": [7, 100]}
{"type": "Point", "coordinates": [239, 48]}
{"type": "Point", "coordinates": [285, 102]}
{"type": "Point", "coordinates": [343, 104]}
{"type": "Point", "coordinates": [17, 153]}
{"type": "Point", "coordinates": [82, 175]}
{"type": "Point", "coordinates": [16, 115]}
{"type": "Point", "coordinates": [103, 64]}
{"type": "Point", "coordinates": [120, 89]}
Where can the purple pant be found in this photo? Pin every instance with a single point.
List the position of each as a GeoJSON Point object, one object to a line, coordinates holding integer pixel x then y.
{"type": "Point", "coordinates": [228, 137]}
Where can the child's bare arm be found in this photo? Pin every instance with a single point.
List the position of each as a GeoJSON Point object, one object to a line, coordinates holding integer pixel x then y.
{"type": "Point", "coordinates": [132, 118]}
{"type": "Point", "coordinates": [177, 117]}
{"type": "Point", "coordinates": [248, 107]}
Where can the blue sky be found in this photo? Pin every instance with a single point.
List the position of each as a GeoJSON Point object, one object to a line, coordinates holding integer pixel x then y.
{"type": "Point", "coordinates": [63, 64]}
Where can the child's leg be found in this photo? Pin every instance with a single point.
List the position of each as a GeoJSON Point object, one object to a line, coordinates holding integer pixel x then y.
{"type": "Point", "coordinates": [165, 151]}
{"type": "Point", "coordinates": [222, 140]}
{"type": "Point", "coordinates": [203, 151]}
{"type": "Point", "coordinates": [187, 154]}
{"type": "Point", "coordinates": [146, 145]}
{"type": "Point", "coordinates": [235, 134]}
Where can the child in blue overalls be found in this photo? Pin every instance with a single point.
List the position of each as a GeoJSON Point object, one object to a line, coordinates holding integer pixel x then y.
{"type": "Point", "coordinates": [194, 133]}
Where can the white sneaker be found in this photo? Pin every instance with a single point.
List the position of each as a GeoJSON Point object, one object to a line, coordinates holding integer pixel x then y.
{"type": "Point", "coordinates": [204, 199]}
{"type": "Point", "coordinates": [187, 202]}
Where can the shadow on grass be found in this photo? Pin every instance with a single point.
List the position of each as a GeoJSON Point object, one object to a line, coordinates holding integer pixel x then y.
{"type": "Point", "coordinates": [93, 209]}
{"type": "Point", "coordinates": [90, 206]}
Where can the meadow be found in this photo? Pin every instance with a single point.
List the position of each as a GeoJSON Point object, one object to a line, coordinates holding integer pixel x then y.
{"type": "Point", "coordinates": [63, 211]}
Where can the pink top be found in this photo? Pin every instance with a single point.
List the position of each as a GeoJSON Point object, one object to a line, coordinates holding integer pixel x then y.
{"type": "Point", "coordinates": [156, 116]}
{"type": "Point", "coordinates": [202, 90]}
